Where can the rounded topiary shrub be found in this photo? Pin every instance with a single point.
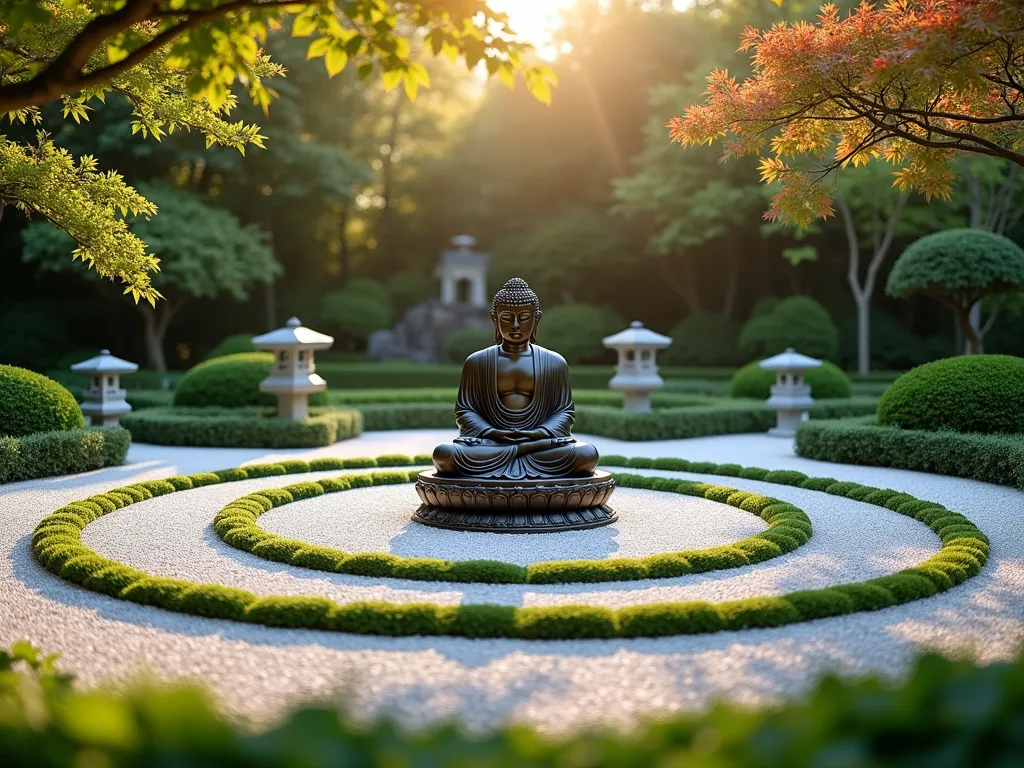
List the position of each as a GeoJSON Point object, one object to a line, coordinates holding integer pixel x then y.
{"type": "Point", "coordinates": [705, 339]}
{"type": "Point", "coordinates": [799, 322]}
{"type": "Point", "coordinates": [231, 381]}
{"type": "Point", "coordinates": [464, 342]}
{"type": "Point", "coordinates": [234, 344]}
{"type": "Point", "coordinates": [827, 382]}
{"type": "Point", "coordinates": [575, 331]}
{"type": "Point", "coordinates": [31, 402]}
{"type": "Point", "coordinates": [977, 393]}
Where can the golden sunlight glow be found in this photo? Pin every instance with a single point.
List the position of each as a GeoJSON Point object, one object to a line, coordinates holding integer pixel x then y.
{"type": "Point", "coordinates": [534, 20]}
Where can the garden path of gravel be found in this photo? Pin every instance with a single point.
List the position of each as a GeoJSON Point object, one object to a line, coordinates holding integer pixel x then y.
{"type": "Point", "coordinates": [258, 672]}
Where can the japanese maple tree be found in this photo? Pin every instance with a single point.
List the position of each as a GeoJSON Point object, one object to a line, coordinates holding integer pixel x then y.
{"type": "Point", "coordinates": [912, 81]}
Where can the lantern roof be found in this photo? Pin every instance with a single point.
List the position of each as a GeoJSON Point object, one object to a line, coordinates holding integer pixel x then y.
{"type": "Point", "coordinates": [104, 362]}
{"type": "Point", "coordinates": [636, 336]}
{"type": "Point", "coordinates": [790, 360]}
{"type": "Point", "coordinates": [294, 334]}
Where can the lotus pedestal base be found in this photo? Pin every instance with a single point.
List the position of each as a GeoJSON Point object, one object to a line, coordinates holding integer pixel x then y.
{"type": "Point", "coordinates": [515, 506]}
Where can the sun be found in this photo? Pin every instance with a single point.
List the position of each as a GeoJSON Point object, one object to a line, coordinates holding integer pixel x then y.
{"type": "Point", "coordinates": [534, 20]}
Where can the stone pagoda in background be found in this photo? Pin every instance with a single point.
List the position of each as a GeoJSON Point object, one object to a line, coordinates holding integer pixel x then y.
{"type": "Point", "coordinates": [420, 335]}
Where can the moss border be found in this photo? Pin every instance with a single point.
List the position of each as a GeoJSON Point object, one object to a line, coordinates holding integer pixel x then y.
{"type": "Point", "coordinates": [788, 529]}
{"type": "Point", "coordinates": [56, 544]}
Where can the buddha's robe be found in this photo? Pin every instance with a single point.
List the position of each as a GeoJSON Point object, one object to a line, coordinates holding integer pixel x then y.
{"type": "Point", "coordinates": [479, 408]}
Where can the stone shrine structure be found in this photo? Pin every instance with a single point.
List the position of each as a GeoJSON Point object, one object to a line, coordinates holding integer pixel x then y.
{"type": "Point", "coordinates": [421, 333]}
{"type": "Point", "coordinates": [515, 466]}
{"type": "Point", "coordinates": [637, 372]}
{"type": "Point", "coordinates": [790, 395]}
{"type": "Point", "coordinates": [103, 400]}
{"type": "Point", "coordinates": [293, 375]}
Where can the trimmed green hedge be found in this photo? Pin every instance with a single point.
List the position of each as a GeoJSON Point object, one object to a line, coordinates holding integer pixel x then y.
{"type": "Point", "coordinates": [231, 381]}
{"type": "Point", "coordinates": [972, 393]}
{"type": "Point", "coordinates": [943, 714]}
{"type": "Point", "coordinates": [49, 454]}
{"type": "Point", "coordinates": [240, 427]}
{"type": "Point", "coordinates": [995, 459]}
{"type": "Point", "coordinates": [31, 402]}
{"type": "Point", "coordinates": [660, 424]}
{"type": "Point", "coordinates": [788, 528]}
{"type": "Point", "coordinates": [57, 545]}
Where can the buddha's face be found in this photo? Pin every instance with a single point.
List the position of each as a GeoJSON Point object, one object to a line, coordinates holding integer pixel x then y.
{"type": "Point", "coordinates": [516, 324]}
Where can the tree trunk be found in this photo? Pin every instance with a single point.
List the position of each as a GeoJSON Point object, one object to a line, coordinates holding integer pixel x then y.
{"type": "Point", "coordinates": [972, 340]}
{"type": "Point", "coordinates": [154, 340]}
{"type": "Point", "coordinates": [345, 253]}
{"type": "Point", "coordinates": [863, 302]}
{"type": "Point", "coordinates": [685, 288]}
{"type": "Point", "coordinates": [732, 283]}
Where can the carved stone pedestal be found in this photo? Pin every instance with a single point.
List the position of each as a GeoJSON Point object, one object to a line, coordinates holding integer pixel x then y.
{"type": "Point", "coordinates": [515, 506]}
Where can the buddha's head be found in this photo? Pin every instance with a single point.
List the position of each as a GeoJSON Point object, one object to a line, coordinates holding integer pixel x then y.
{"type": "Point", "coordinates": [515, 312]}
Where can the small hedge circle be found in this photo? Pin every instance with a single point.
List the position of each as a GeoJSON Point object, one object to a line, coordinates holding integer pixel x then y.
{"type": "Point", "coordinates": [788, 528]}
{"type": "Point", "coordinates": [57, 545]}
{"type": "Point", "coordinates": [972, 393]}
{"type": "Point", "coordinates": [231, 381]}
{"type": "Point", "coordinates": [827, 382]}
{"type": "Point", "coordinates": [31, 402]}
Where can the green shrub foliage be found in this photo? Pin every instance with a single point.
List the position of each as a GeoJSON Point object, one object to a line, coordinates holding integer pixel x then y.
{"type": "Point", "coordinates": [799, 322]}
{"type": "Point", "coordinates": [57, 545]}
{"type": "Point", "coordinates": [880, 722]}
{"type": "Point", "coordinates": [31, 402]}
{"type": "Point", "coordinates": [827, 382]}
{"type": "Point", "coordinates": [990, 458]}
{"type": "Point", "coordinates": [465, 341]}
{"type": "Point", "coordinates": [240, 427]}
{"type": "Point", "coordinates": [575, 331]}
{"type": "Point", "coordinates": [704, 339]}
{"type": "Point", "coordinates": [231, 381]}
{"type": "Point", "coordinates": [49, 454]}
{"type": "Point", "coordinates": [976, 393]}
{"type": "Point", "coordinates": [236, 344]}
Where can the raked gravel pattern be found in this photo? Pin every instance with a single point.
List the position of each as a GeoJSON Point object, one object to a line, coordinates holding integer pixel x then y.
{"type": "Point", "coordinates": [257, 673]}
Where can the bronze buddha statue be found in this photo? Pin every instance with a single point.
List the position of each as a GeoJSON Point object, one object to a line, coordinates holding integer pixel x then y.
{"type": "Point", "coordinates": [515, 450]}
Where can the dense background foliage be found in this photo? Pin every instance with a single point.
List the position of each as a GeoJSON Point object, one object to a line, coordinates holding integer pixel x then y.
{"type": "Point", "coordinates": [585, 198]}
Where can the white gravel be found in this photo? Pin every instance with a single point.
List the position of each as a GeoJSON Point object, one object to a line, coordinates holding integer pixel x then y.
{"type": "Point", "coordinates": [258, 672]}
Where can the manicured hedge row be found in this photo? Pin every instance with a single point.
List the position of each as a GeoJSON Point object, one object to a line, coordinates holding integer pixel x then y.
{"type": "Point", "coordinates": [57, 546]}
{"type": "Point", "coordinates": [788, 528]}
{"type": "Point", "coordinates": [944, 714]}
{"type": "Point", "coordinates": [995, 459]}
{"type": "Point", "coordinates": [699, 421]}
{"type": "Point", "coordinates": [448, 395]}
{"type": "Point", "coordinates": [660, 424]}
{"type": "Point", "coordinates": [240, 427]}
{"type": "Point", "coordinates": [48, 454]}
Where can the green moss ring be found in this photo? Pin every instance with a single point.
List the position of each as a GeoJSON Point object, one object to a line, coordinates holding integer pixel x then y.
{"type": "Point", "coordinates": [57, 546]}
{"type": "Point", "coordinates": [236, 524]}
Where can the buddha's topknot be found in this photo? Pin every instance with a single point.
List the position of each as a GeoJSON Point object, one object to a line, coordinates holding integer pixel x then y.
{"type": "Point", "coordinates": [516, 293]}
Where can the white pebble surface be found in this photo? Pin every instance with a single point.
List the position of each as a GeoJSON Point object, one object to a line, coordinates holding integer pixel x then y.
{"type": "Point", "coordinates": [258, 673]}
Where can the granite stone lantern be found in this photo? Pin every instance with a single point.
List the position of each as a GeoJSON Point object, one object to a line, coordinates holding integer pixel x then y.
{"type": "Point", "coordinates": [293, 375]}
{"type": "Point", "coordinates": [790, 395]}
{"type": "Point", "coordinates": [636, 373]}
{"type": "Point", "coordinates": [103, 401]}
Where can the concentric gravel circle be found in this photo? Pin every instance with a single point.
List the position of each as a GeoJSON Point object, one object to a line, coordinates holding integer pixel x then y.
{"type": "Point", "coordinates": [57, 545]}
{"type": "Point", "coordinates": [788, 529]}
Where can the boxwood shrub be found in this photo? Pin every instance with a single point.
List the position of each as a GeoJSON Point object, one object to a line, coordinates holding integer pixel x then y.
{"type": "Point", "coordinates": [240, 427]}
{"type": "Point", "coordinates": [972, 393]}
{"type": "Point", "coordinates": [31, 402]}
{"type": "Point", "coordinates": [993, 458]}
{"type": "Point", "coordinates": [231, 381]}
{"type": "Point", "coordinates": [827, 382]}
{"type": "Point", "coordinates": [56, 543]}
{"type": "Point", "coordinates": [48, 454]}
